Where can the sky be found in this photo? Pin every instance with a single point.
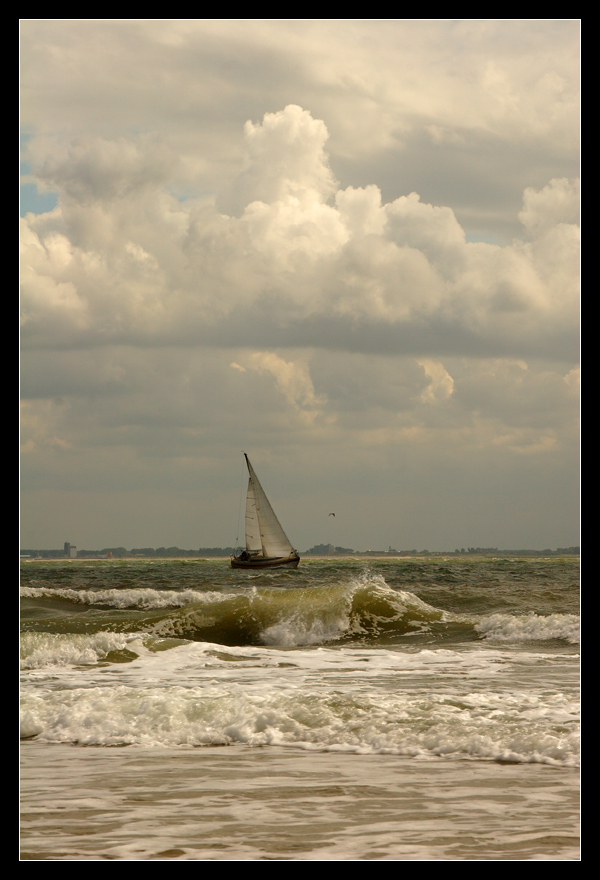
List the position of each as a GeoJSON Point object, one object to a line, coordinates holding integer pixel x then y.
{"type": "Point", "coordinates": [346, 247]}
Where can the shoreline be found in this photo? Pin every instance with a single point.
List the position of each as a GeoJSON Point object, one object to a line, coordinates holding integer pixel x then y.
{"type": "Point", "coordinates": [433, 556]}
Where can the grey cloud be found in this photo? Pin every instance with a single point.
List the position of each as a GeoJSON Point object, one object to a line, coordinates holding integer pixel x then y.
{"type": "Point", "coordinates": [408, 336]}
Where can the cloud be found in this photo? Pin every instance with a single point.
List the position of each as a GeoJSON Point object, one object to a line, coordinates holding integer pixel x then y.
{"type": "Point", "coordinates": [350, 244]}
{"type": "Point", "coordinates": [38, 425]}
{"type": "Point", "coordinates": [441, 383]}
{"type": "Point", "coordinates": [121, 260]}
{"type": "Point", "coordinates": [285, 160]}
{"type": "Point", "coordinates": [558, 202]}
{"type": "Point", "coordinates": [96, 169]}
{"type": "Point", "coordinates": [293, 380]}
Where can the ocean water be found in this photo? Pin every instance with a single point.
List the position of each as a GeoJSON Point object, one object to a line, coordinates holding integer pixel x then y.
{"type": "Point", "coordinates": [398, 709]}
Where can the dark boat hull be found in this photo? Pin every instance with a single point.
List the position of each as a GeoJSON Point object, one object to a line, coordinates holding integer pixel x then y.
{"type": "Point", "coordinates": [265, 562]}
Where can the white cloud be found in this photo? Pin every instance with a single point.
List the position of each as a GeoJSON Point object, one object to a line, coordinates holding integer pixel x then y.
{"type": "Point", "coordinates": [558, 202]}
{"type": "Point", "coordinates": [126, 261]}
{"type": "Point", "coordinates": [361, 211]}
{"type": "Point", "coordinates": [285, 160]}
{"type": "Point", "coordinates": [441, 383]}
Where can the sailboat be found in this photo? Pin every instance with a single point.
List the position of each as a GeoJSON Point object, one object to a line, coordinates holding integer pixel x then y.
{"type": "Point", "coordinates": [267, 545]}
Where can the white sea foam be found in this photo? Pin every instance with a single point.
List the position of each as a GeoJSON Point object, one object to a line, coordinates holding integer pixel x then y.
{"type": "Point", "coordinates": [363, 701]}
{"type": "Point", "coordinates": [55, 649]}
{"type": "Point", "coordinates": [402, 724]}
{"type": "Point", "coordinates": [530, 627]}
{"type": "Point", "coordinates": [142, 598]}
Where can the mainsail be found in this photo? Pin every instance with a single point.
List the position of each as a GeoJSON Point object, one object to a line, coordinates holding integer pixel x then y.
{"type": "Point", "coordinates": [263, 529]}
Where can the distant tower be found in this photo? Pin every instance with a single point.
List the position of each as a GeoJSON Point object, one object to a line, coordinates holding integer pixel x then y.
{"type": "Point", "coordinates": [67, 548]}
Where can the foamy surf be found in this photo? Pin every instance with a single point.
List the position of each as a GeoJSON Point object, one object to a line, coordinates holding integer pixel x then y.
{"type": "Point", "coordinates": [345, 699]}
{"type": "Point", "coordinates": [513, 728]}
{"type": "Point", "coordinates": [530, 627]}
{"type": "Point", "coordinates": [414, 704]}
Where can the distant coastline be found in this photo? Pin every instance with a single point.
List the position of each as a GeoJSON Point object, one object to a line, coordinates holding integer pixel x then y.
{"type": "Point", "coordinates": [320, 551]}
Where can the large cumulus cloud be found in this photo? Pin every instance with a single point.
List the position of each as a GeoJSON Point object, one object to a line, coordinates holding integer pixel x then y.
{"type": "Point", "coordinates": [122, 260]}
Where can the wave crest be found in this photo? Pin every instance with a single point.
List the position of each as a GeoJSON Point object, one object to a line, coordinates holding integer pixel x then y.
{"type": "Point", "coordinates": [530, 627]}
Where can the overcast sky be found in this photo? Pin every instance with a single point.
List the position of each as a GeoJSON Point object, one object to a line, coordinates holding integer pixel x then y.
{"type": "Point", "coordinates": [349, 248]}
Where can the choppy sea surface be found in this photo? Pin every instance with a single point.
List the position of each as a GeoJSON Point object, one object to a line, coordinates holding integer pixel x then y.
{"type": "Point", "coordinates": [399, 709]}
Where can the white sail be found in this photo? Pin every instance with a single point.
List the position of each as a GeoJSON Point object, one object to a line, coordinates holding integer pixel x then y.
{"type": "Point", "coordinates": [260, 516]}
{"type": "Point", "coordinates": [253, 542]}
